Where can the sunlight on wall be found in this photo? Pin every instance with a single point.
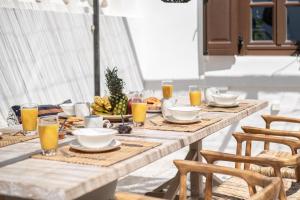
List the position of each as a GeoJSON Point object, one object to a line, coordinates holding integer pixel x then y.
{"type": "Point", "coordinates": [163, 38]}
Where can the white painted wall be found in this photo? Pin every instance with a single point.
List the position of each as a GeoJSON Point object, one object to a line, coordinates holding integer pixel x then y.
{"type": "Point", "coordinates": [163, 38]}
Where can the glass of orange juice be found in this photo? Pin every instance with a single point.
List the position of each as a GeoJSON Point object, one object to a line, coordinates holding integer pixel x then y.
{"type": "Point", "coordinates": [48, 132]}
{"type": "Point", "coordinates": [167, 89]}
{"type": "Point", "coordinates": [139, 111]}
{"type": "Point", "coordinates": [29, 118]}
{"type": "Point", "coordinates": [195, 95]}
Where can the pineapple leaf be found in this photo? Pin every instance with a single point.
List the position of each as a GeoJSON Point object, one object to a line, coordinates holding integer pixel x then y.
{"type": "Point", "coordinates": [114, 84]}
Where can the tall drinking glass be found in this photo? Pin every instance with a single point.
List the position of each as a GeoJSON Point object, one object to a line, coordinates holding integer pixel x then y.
{"type": "Point", "coordinates": [195, 95]}
{"type": "Point", "coordinates": [167, 89]}
{"type": "Point", "coordinates": [139, 110]}
{"type": "Point", "coordinates": [29, 118]}
{"type": "Point", "coordinates": [48, 132]}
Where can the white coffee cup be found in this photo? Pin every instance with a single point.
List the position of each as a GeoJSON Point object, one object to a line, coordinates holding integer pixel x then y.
{"type": "Point", "coordinates": [94, 121]}
{"type": "Point", "coordinates": [82, 109]}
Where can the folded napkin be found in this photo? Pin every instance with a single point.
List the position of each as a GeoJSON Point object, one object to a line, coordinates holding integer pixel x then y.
{"type": "Point", "coordinates": [14, 115]}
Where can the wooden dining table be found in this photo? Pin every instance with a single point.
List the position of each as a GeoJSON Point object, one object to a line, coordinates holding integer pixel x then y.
{"type": "Point", "coordinates": [29, 178]}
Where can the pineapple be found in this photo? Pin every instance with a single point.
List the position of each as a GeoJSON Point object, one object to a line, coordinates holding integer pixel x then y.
{"type": "Point", "coordinates": [115, 86]}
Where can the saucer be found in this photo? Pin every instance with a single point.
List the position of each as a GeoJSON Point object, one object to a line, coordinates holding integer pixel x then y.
{"type": "Point", "coordinates": [113, 145]}
{"type": "Point", "coordinates": [176, 121]}
{"type": "Point", "coordinates": [214, 104]}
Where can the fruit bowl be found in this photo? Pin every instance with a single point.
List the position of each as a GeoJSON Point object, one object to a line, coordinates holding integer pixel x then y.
{"type": "Point", "coordinates": [115, 103]}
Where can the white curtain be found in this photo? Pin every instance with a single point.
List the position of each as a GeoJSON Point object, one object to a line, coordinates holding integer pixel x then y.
{"type": "Point", "coordinates": [47, 56]}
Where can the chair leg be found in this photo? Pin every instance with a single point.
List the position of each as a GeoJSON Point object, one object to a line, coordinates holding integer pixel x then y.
{"type": "Point", "coordinates": [297, 172]}
{"type": "Point", "coordinates": [208, 187]}
{"type": "Point", "coordinates": [248, 153]}
{"type": "Point", "coordinates": [282, 194]}
{"type": "Point", "coordinates": [252, 190]}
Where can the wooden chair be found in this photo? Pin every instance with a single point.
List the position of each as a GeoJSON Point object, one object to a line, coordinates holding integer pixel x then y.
{"type": "Point", "coordinates": [269, 119]}
{"type": "Point", "coordinates": [269, 186]}
{"type": "Point", "coordinates": [292, 172]}
{"type": "Point", "coordinates": [269, 163]}
{"type": "Point", "coordinates": [290, 161]}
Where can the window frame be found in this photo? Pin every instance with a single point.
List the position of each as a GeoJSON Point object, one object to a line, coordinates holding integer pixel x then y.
{"type": "Point", "coordinates": [279, 45]}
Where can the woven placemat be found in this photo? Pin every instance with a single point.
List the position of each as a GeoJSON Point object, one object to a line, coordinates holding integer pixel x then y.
{"type": "Point", "coordinates": [242, 106]}
{"type": "Point", "coordinates": [159, 123]}
{"type": "Point", "coordinates": [8, 139]}
{"type": "Point", "coordinates": [127, 150]}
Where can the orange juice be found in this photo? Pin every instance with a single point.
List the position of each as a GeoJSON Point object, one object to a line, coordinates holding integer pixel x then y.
{"type": "Point", "coordinates": [29, 118]}
{"type": "Point", "coordinates": [167, 91]}
{"type": "Point", "coordinates": [48, 136]}
{"type": "Point", "coordinates": [139, 112]}
{"type": "Point", "coordinates": [195, 98]}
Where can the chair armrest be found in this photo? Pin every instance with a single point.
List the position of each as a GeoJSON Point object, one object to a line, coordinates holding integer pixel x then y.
{"type": "Point", "coordinates": [253, 178]}
{"type": "Point", "coordinates": [213, 156]}
{"type": "Point", "coordinates": [273, 118]}
{"type": "Point", "coordinates": [254, 130]}
{"type": "Point", "coordinates": [293, 144]}
{"type": "Point", "coordinates": [271, 186]}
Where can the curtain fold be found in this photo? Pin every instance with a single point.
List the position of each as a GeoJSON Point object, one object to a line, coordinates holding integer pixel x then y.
{"type": "Point", "coordinates": [47, 56]}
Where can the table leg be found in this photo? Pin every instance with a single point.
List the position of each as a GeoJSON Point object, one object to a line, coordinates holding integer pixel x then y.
{"type": "Point", "coordinates": [174, 186]}
{"type": "Point", "coordinates": [196, 179]}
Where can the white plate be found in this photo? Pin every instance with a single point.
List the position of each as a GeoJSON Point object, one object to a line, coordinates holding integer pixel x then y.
{"type": "Point", "coordinates": [214, 104]}
{"type": "Point", "coordinates": [116, 118]}
{"type": "Point", "coordinates": [175, 121]}
{"type": "Point", "coordinates": [113, 145]}
{"type": "Point", "coordinates": [153, 111]}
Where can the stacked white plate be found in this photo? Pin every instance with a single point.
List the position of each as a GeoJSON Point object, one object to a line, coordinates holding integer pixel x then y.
{"type": "Point", "coordinates": [176, 121]}
{"type": "Point", "coordinates": [224, 100]}
{"type": "Point", "coordinates": [113, 145]}
{"type": "Point", "coordinates": [95, 140]}
{"type": "Point", "coordinates": [183, 115]}
{"type": "Point", "coordinates": [220, 105]}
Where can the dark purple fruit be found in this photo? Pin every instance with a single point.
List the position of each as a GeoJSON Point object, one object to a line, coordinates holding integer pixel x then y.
{"type": "Point", "coordinates": [124, 129]}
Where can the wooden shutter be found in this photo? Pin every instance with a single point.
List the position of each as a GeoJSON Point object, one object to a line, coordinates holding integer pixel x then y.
{"type": "Point", "coordinates": [222, 27]}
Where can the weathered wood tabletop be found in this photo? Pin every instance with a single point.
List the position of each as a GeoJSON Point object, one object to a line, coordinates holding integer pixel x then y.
{"type": "Point", "coordinates": [20, 151]}
{"type": "Point", "coordinates": [44, 179]}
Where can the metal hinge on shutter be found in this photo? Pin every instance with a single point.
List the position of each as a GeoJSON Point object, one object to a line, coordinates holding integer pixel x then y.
{"type": "Point", "coordinates": [240, 43]}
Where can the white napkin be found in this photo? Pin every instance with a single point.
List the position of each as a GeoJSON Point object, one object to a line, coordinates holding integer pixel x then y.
{"type": "Point", "coordinates": [209, 92]}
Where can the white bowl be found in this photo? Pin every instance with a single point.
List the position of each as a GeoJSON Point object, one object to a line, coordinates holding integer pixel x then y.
{"type": "Point", "coordinates": [225, 99]}
{"type": "Point", "coordinates": [68, 108]}
{"type": "Point", "coordinates": [184, 112]}
{"type": "Point", "coordinates": [94, 137]}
